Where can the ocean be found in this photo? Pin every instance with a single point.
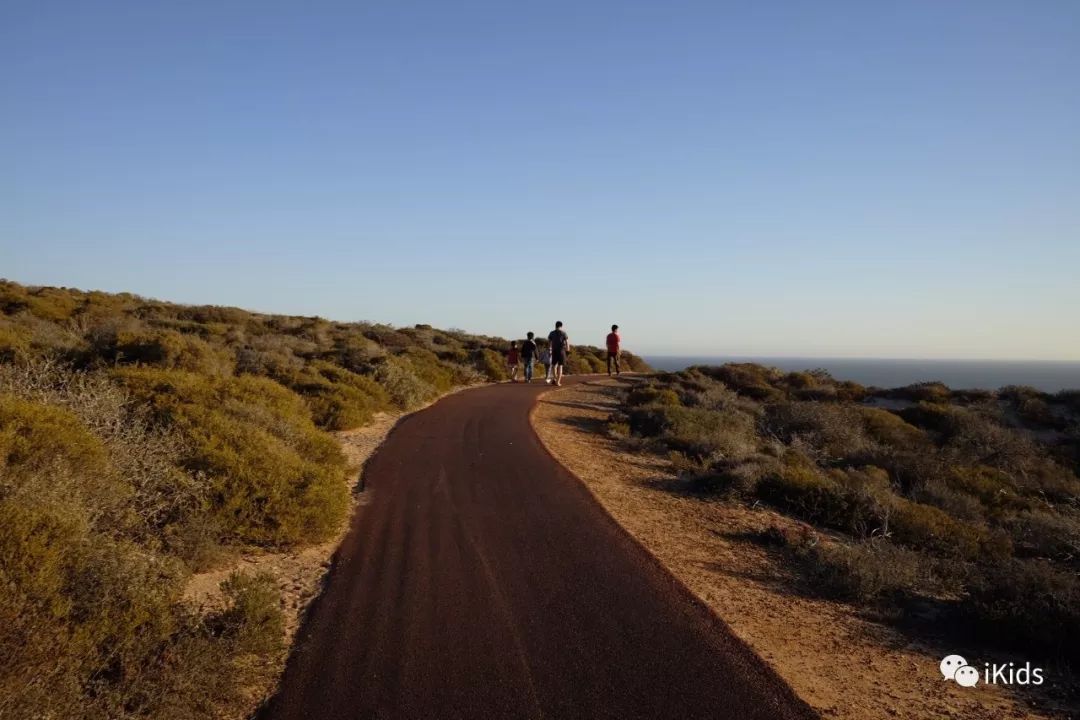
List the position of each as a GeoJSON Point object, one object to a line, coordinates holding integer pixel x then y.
{"type": "Point", "coordinates": [958, 374]}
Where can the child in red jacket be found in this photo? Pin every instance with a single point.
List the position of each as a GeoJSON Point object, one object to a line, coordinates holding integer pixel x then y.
{"type": "Point", "coordinates": [513, 358]}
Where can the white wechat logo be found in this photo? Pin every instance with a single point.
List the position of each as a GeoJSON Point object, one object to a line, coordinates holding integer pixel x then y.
{"type": "Point", "coordinates": [955, 667]}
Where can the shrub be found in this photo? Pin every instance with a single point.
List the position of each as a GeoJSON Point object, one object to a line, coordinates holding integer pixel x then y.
{"type": "Point", "coordinates": [1069, 399]}
{"type": "Point", "coordinates": [853, 500]}
{"type": "Point", "coordinates": [1044, 534]}
{"type": "Point", "coordinates": [274, 478]}
{"type": "Point", "coordinates": [709, 435]}
{"type": "Point", "coordinates": [711, 395]}
{"type": "Point", "coordinates": [928, 416]}
{"type": "Point", "coordinates": [648, 422]}
{"type": "Point", "coordinates": [993, 488]}
{"type": "Point", "coordinates": [252, 617]}
{"type": "Point", "coordinates": [357, 353]}
{"type": "Point", "coordinates": [753, 381]}
{"type": "Point", "coordinates": [426, 366]}
{"type": "Point", "coordinates": [1028, 604]}
{"type": "Point", "coordinates": [490, 364]}
{"type": "Point", "coordinates": [36, 438]}
{"type": "Point", "coordinates": [957, 504]}
{"type": "Point", "coordinates": [864, 572]}
{"type": "Point", "coordinates": [890, 429]}
{"type": "Point", "coordinates": [169, 349]}
{"type": "Point", "coordinates": [47, 303]}
{"type": "Point", "coordinates": [807, 493]}
{"type": "Point", "coordinates": [14, 340]}
{"type": "Point", "coordinates": [340, 399]}
{"type": "Point", "coordinates": [924, 392]}
{"type": "Point", "coordinates": [830, 431]}
{"type": "Point", "coordinates": [93, 628]}
{"type": "Point", "coordinates": [926, 527]}
{"type": "Point", "coordinates": [401, 383]}
{"type": "Point", "coordinates": [79, 609]}
{"type": "Point", "coordinates": [731, 478]}
{"type": "Point", "coordinates": [647, 394]}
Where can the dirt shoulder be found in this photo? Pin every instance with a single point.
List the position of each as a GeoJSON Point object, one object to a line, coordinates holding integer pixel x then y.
{"type": "Point", "coordinates": [843, 664]}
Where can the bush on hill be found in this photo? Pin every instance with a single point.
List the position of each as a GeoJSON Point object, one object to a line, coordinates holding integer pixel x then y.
{"type": "Point", "coordinates": [983, 482]}
{"type": "Point", "coordinates": [138, 441]}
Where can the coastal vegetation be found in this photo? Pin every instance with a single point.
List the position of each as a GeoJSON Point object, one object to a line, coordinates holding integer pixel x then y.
{"type": "Point", "coordinates": [956, 509]}
{"type": "Point", "coordinates": [143, 441]}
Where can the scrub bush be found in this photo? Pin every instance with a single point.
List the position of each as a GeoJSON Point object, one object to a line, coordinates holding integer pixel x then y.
{"type": "Point", "coordinates": [274, 479]}
{"type": "Point", "coordinates": [863, 572]}
{"type": "Point", "coordinates": [959, 497]}
{"type": "Point", "coordinates": [141, 441]}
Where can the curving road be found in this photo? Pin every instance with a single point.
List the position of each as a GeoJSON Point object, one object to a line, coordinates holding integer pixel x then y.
{"type": "Point", "coordinates": [483, 581]}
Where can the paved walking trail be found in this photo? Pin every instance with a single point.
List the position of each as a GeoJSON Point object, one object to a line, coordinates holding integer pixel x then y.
{"type": "Point", "coordinates": [483, 581]}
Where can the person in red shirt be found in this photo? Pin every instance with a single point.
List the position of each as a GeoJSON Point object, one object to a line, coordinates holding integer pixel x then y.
{"type": "Point", "coordinates": [614, 343]}
{"type": "Point", "coordinates": [512, 360]}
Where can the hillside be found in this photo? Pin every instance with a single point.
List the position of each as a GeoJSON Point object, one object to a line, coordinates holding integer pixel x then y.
{"type": "Point", "coordinates": [142, 441]}
{"type": "Point", "coordinates": [952, 513]}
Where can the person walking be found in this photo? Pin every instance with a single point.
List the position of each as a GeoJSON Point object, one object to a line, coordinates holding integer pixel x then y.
{"type": "Point", "coordinates": [545, 360]}
{"type": "Point", "coordinates": [559, 342]}
{"type": "Point", "coordinates": [512, 359]}
{"type": "Point", "coordinates": [528, 355]}
{"type": "Point", "coordinates": [614, 346]}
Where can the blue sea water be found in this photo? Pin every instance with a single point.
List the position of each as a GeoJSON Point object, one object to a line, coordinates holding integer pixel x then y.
{"type": "Point", "coordinates": [958, 374]}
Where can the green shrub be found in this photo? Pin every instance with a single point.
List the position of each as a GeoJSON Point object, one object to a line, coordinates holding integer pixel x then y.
{"type": "Point", "coordinates": [171, 350]}
{"type": "Point", "coordinates": [993, 488]}
{"type": "Point", "coordinates": [890, 429]}
{"type": "Point", "coordinates": [55, 304]}
{"type": "Point", "coordinates": [709, 435]}
{"type": "Point", "coordinates": [426, 366]}
{"type": "Point", "coordinates": [14, 340]}
{"type": "Point", "coordinates": [753, 381]}
{"type": "Point", "coordinates": [828, 430]}
{"type": "Point", "coordinates": [252, 617]}
{"type": "Point", "coordinates": [490, 364]}
{"type": "Point", "coordinates": [928, 416]}
{"type": "Point", "coordinates": [927, 527]}
{"type": "Point", "coordinates": [338, 398]}
{"type": "Point", "coordinates": [37, 438]}
{"type": "Point", "coordinates": [405, 388]}
{"type": "Point", "coordinates": [274, 478]}
{"type": "Point", "coordinates": [647, 394]}
{"type": "Point", "coordinates": [924, 392]}
{"type": "Point", "coordinates": [79, 608]}
{"type": "Point", "coordinates": [807, 493]}
{"type": "Point", "coordinates": [852, 500]}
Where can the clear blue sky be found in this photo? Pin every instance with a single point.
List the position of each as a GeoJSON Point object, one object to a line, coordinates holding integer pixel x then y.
{"type": "Point", "coordinates": [803, 178]}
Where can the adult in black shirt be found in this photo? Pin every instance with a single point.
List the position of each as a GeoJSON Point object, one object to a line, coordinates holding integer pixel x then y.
{"type": "Point", "coordinates": [529, 352]}
{"type": "Point", "coordinates": [559, 343]}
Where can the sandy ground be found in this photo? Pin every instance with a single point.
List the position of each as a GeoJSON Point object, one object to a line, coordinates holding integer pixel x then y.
{"type": "Point", "coordinates": [844, 665]}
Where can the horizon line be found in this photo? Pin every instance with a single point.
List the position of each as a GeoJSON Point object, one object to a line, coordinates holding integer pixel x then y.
{"type": "Point", "coordinates": [767, 356]}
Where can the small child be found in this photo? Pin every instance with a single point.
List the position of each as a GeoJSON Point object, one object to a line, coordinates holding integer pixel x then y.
{"type": "Point", "coordinates": [512, 360]}
{"type": "Point", "coordinates": [545, 360]}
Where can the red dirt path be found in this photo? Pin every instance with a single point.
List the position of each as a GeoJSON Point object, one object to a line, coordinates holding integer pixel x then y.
{"type": "Point", "coordinates": [483, 581]}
